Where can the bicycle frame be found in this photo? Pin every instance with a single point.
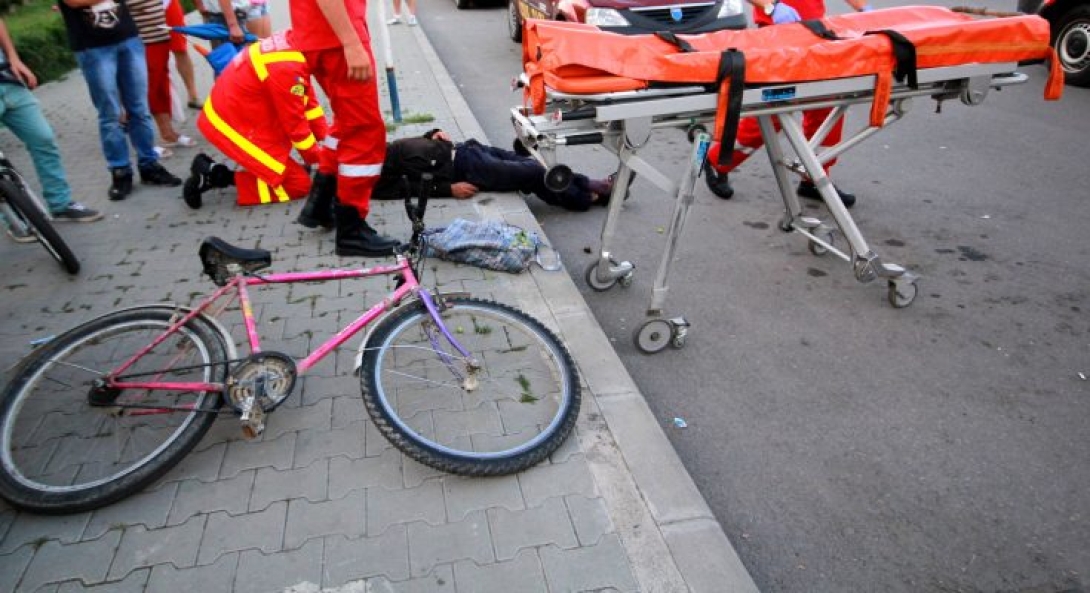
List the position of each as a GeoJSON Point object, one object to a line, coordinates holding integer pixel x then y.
{"type": "Point", "coordinates": [409, 286]}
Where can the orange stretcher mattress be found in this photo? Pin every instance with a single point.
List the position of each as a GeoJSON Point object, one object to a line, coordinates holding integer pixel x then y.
{"type": "Point", "coordinates": [581, 59]}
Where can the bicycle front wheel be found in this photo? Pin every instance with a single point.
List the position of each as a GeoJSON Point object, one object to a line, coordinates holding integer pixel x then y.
{"type": "Point", "coordinates": [37, 223]}
{"type": "Point", "coordinates": [500, 410]}
{"type": "Point", "coordinates": [68, 445]}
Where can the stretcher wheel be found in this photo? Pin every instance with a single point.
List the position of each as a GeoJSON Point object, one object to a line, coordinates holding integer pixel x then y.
{"type": "Point", "coordinates": [818, 249]}
{"type": "Point", "coordinates": [558, 178]}
{"type": "Point", "coordinates": [597, 285]}
{"type": "Point", "coordinates": [654, 336]}
{"type": "Point", "coordinates": [901, 294]}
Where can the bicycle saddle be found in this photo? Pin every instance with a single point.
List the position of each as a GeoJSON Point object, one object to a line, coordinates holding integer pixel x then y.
{"type": "Point", "coordinates": [222, 261]}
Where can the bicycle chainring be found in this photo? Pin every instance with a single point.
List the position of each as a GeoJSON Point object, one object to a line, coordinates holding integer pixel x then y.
{"type": "Point", "coordinates": [268, 376]}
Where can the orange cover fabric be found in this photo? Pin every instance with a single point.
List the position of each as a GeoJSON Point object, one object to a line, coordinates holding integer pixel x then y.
{"type": "Point", "coordinates": [577, 58]}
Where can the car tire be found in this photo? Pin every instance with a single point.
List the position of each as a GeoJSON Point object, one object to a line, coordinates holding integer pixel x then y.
{"type": "Point", "coordinates": [514, 21]}
{"type": "Point", "coordinates": [1072, 43]}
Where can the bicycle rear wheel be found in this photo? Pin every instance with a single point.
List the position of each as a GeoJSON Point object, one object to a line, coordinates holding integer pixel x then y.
{"type": "Point", "coordinates": [37, 222]}
{"type": "Point", "coordinates": [502, 410]}
{"type": "Point", "coordinates": [61, 454]}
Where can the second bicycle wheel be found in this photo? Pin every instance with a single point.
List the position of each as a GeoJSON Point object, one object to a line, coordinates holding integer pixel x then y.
{"type": "Point", "coordinates": [39, 224]}
{"type": "Point", "coordinates": [500, 410]}
{"type": "Point", "coordinates": [67, 446]}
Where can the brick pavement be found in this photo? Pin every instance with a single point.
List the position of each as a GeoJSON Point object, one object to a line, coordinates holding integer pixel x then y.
{"type": "Point", "coordinates": [321, 501]}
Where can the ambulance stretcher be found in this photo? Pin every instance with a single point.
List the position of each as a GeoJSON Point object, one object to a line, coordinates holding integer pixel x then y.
{"type": "Point", "coordinates": [623, 121]}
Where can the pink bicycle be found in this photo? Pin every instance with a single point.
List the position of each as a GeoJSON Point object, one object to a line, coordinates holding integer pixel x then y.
{"type": "Point", "coordinates": [464, 385]}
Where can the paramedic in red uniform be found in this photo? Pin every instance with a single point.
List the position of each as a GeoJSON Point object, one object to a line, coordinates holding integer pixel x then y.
{"type": "Point", "coordinates": [749, 140]}
{"type": "Point", "coordinates": [333, 36]}
{"type": "Point", "coordinates": [261, 107]}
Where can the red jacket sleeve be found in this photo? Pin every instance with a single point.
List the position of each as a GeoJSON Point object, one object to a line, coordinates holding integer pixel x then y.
{"type": "Point", "coordinates": [291, 91]}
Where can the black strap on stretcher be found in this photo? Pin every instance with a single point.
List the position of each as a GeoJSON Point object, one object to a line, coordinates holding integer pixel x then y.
{"type": "Point", "coordinates": [904, 52]}
{"type": "Point", "coordinates": [732, 67]}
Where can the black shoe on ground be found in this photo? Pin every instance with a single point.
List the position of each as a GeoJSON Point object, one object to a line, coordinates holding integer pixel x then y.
{"type": "Point", "coordinates": [191, 192]}
{"type": "Point", "coordinates": [807, 189]}
{"type": "Point", "coordinates": [356, 238]}
{"type": "Point", "coordinates": [156, 174]}
{"type": "Point", "coordinates": [77, 212]}
{"type": "Point", "coordinates": [718, 183]}
{"type": "Point", "coordinates": [318, 211]}
{"type": "Point", "coordinates": [121, 186]}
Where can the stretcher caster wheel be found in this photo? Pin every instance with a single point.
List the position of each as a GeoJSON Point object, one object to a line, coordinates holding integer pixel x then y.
{"type": "Point", "coordinates": [558, 178]}
{"type": "Point", "coordinates": [818, 249]}
{"type": "Point", "coordinates": [692, 131]}
{"type": "Point", "coordinates": [597, 285]}
{"type": "Point", "coordinates": [654, 336]}
{"type": "Point", "coordinates": [901, 294]}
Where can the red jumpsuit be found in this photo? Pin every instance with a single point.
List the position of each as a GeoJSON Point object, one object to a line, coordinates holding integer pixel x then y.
{"type": "Point", "coordinates": [356, 146]}
{"type": "Point", "coordinates": [749, 138]}
{"type": "Point", "coordinates": [261, 106]}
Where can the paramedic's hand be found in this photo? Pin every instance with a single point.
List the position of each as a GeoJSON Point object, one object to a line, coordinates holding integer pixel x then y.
{"type": "Point", "coordinates": [359, 65]}
{"type": "Point", "coordinates": [783, 14]}
{"type": "Point", "coordinates": [463, 190]}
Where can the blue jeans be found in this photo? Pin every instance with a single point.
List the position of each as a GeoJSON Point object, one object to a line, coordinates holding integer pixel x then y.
{"type": "Point", "coordinates": [117, 76]}
{"type": "Point", "coordinates": [22, 114]}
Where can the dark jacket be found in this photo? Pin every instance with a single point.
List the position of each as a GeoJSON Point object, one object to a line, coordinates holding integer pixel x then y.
{"type": "Point", "coordinates": [406, 162]}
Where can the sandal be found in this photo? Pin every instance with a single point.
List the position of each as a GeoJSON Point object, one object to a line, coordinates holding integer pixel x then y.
{"type": "Point", "coordinates": [163, 153]}
{"type": "Point", "coordinates": [182, 140]}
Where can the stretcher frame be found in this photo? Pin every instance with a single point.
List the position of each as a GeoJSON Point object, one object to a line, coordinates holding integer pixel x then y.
{"type": "Point", "coordinates": [623, 122]}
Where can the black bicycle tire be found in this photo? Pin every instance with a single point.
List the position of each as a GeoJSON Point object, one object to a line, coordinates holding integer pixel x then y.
{"type": "Point", "coordinates": [29, 498]}
{"type": "Point", "coordinates": [49, 237]}
{"type": "Point", "coordinates": [467, 464]}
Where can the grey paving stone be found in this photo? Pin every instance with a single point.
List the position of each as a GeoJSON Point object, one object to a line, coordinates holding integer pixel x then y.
{"type": "Point", "coordinates": [475, 494]}
{"type": "Point", "coordinates": [242, 455]}
{"type": "Point", "coordinates": [262, 573]}
{"type": "Point", "coordinates": [310, 483]}
{"type": "Point", "coordinates": [544, 481]}
{"type": "Point", "coordinates": [203, 463]}
{"type": "Point", "coordinates": [29, 528]}
{"type": "Point", "coordinates": [229, 495]}
{"type": "Point", "coordinates": [12, 566]}
{"type": "Point", "coordinates": [513, 531]}
{"type": "Point", "coordinates": [224, 533]}
{"type": "Point", "coordinates": [390, 507]}
{"type": "Point", "coordinates": [135, 582]}
{"type": "Point", "coordinates": [348, 410]}
{"type": "Point", "coordinates": [524, 574]}
{"type": "Point", "coordinates": [141, 547]}
{"type": "Point", "coordinates": [431, 545]}
{"type": "Point", "coordinates": [317, 416]}
{"type": "Point", "coordinates": [441, 580]}
{"type": "Point", "coordinates": [324, 382]}
{"type": "Point", "coordinates": [149, 508]}
{"type": "Point", "coordinates": [308, 520]}
{"type": "Point", "coordinates": [348, 475]}
{"type": "Point", "coordinates": [215, 577]}
{"type": "Point", "coordinates": [590, 568]}
{"type": "Point", "coordinates": [55, 562]}
{"type": "Point", "coordinates": [350, 560]}
{"type": "Point", "coordinates": [313, 445]}
{"type": "Point", "coordinates": [414, 473]}
{"type": "Point", "coordinates": [590, 517]}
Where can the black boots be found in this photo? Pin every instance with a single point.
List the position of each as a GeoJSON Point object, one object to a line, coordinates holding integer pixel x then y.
{"type": "Point", "coordinates": [318, 211]}
{"type": "Point", "coordinates": [205, 174]}
{"type": "Point", "coordinates": [121, 184]}
{"type": "Point", "coordinates": [356, 237]}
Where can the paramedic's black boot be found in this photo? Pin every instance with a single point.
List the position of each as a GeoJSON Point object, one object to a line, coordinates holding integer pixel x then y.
{"type": "Point", "coordinates": [318, 211]}
{"type": "Point", "coordinates": [718, 183]}
{"type": "Point", "coordinates": [807, 189]}
{"type": "Point", "coordinates": [356, 237]}
{"type": "Point", "coordinates": [205, 174]}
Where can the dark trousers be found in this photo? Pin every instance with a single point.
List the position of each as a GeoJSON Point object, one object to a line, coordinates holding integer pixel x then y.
{"type": "Point", "coordinates": [496, 169]}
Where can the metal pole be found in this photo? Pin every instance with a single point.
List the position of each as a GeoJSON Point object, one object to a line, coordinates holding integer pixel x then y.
{"type": "Point", "coordinates": [388, 55]}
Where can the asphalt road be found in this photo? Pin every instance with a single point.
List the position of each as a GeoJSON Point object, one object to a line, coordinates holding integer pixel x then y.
{"type": "Point", "coordinates": [845, 445]}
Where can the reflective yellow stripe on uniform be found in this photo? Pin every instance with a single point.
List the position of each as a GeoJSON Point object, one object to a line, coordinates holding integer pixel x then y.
{"type": "Point", "coordinates": [261, 60]}
{"type": "Point", "coordinates": [305, 143]}
{"type": "Point", "coordinates": [266, 198]}
{"type": "Point", "coordinates": [315, 113]}
{"type": "Point", "coordinates": [239, 140]}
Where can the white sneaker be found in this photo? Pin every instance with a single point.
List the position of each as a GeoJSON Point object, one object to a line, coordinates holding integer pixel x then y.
{"type": "Point", "coordinates": [412, 20]}
{"type": "Point", "coordinates": [394, 21]}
